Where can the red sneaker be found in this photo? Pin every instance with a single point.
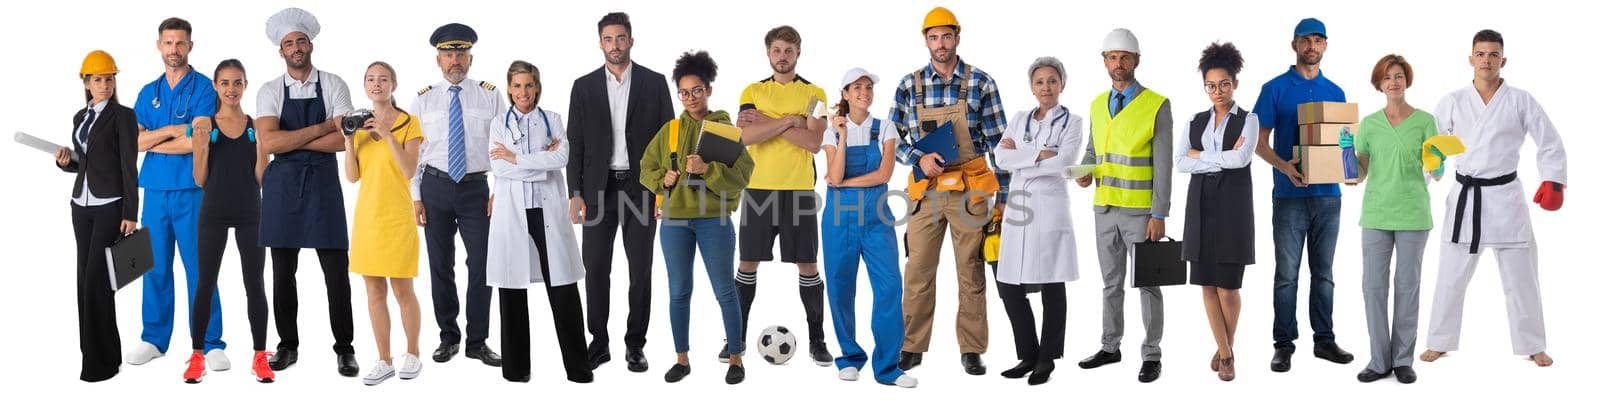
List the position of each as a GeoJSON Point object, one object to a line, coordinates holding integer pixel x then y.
{"type": "Point", "coordinates": [197, 368]}
{"type": "Point", "coordinates": [261, 368]}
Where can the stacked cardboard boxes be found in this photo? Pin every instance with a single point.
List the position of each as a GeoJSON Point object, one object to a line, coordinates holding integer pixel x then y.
{"type": "Point", "coordinates": [1321, 159]}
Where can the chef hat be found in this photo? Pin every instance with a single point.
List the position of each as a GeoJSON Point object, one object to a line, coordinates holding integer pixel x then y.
{"type": "Point", "coordinates": [292, 20]}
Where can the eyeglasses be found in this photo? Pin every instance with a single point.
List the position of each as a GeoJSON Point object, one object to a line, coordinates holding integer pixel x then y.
{"type": "Point", "coordinates": [697, 92]}
{"type": "Point", "coordinates": [1213, 87]}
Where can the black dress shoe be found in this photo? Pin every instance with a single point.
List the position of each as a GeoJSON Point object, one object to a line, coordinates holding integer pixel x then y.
{"type": "Point", "coordinates": [735, 374]}
{"type": "Point", "coordinates": [1332, 352]}
{"type": "Point", "coordinates": [581, 377]}
{"type": "Point", "coordinates": [1099, 359]}
{"type": "Point", "coordinates": [1280, 359]}
{"type": "Point", "coordinates": [973, 364]}
{"type": "Point", "coordinates": [520, 379]}
{"type": "Point", "coordinates": [677, 372]}
{"type": "Point", "coordinates": [910, 360]}
{"type": "Point", "coordinates": [1022, 369]}
{"type": "Point", "coordinates": [722, 356]}
{"type": "Point", "coordinates": [1405, 374]}
{"type": "Point", "coordinates": [284, 358]}
{"type": "Point", "coordinates": [598, 355]}
{"type": "Point", "coordinates": [1041, 372]}
{"type": "Point", "coordinates": [445, 352]}
{"type": "Point", "coordinates": [1150, 371]}
{"type": "Point", "coordinates": [483, 353]}
{"type": "Point", "coordinates": [820, 354]}
{"type": "Point", "coordinates": [636, 361]}
{"type": "Point", "coordinates": [348, 366]}
{"type": "Point", "coordinates": [1368, 375]}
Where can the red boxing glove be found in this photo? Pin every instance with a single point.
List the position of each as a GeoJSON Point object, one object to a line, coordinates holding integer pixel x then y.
{"type": "Point", "coordinates": [1549, 195]}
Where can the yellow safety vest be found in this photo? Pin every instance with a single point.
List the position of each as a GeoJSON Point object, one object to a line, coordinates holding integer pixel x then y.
{"type": "Point", "coordinates": [1123, 149]}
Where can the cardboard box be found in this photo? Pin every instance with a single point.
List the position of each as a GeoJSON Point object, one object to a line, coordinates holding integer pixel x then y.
{"type": "Point", "coordinates": [1329, 112]}
{"type": "Point", "coordinates": [1324, 134]}
{"type": "Point", "coordinates": [1321, 164]}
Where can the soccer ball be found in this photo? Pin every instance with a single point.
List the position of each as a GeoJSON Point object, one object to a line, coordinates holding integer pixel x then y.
{"type": "Point", "coordinates": [776, 345]}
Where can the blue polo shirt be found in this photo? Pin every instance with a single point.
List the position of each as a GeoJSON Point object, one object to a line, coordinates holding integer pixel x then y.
{"type": "Point", "coordinates": [159, 106]}
{"type": "Point", "coordinates": [1277, 108]}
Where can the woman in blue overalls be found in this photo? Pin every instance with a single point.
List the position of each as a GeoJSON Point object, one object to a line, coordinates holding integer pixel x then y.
{"type": "Point", "coordinates": [859, 226]}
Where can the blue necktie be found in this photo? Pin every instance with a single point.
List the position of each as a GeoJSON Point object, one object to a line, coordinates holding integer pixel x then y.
{"type": "Point", "coordinates": [458, 137]}
{"type": "Point", "coordinates": [83, 133]}
{"type": "Point", "coordinates": [1120, 104]}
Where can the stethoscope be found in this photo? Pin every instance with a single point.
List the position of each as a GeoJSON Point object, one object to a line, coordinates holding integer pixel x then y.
{"type": "Point", "coordinates": [516, 133]}
{"type": "Point", "coordinates": [1027, 127]}
{"type": "Point", "coordinates": [187, 92]}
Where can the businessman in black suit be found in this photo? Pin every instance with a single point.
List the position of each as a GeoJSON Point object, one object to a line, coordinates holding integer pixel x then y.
{"type": "Point", "coordinates": [615, 112]}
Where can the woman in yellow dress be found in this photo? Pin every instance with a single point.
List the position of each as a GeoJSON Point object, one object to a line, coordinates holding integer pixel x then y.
{"type": "Point", "coordinates": [382, 156]}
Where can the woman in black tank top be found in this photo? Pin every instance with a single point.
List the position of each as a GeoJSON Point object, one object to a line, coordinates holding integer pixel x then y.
{"type": "Point", "coordinates": [228, 166]}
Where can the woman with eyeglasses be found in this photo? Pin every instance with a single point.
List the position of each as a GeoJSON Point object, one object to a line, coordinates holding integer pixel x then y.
{"type": "Point", "coordinates": [701, 196]}
{"type": "Point", "coordinates": [1219, 223]}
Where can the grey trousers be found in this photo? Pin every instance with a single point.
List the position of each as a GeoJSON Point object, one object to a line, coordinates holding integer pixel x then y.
{"type": "Point", "coordinates": [1392, 344]}
{"type": "Point", "coordinates": [1115, 231]}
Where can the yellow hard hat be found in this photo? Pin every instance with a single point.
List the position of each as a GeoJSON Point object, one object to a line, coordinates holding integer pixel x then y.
{"type": "Point", "coordinates": [98, 63]}
{"type": "Point", "coordinates": [939, 17]}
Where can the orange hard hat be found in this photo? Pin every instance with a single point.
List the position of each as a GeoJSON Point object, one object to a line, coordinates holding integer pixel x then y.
{"type": "Point", "coordinates": [939, 17]}
{"type": "Point", "coordinates": [98, 63]}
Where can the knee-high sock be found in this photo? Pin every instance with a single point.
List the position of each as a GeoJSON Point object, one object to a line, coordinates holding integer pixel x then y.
{"type": "Point", "coordinates": [746, 289]}
{"type": "Point", "coordinates": [811, 293]}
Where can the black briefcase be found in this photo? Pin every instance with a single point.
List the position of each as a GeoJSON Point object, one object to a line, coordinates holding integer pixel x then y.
{"type": "Point", "coordinates": [1159, 263]}
{"type": "Point", "coordinates": [129, 258]}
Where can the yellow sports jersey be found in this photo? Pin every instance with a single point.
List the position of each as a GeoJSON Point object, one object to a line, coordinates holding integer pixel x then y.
{"type": "Point", "coordinates": [780, 165]}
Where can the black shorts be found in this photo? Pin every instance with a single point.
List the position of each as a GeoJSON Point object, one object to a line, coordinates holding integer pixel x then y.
{"type": "Point", "coordinates": [788, 216]}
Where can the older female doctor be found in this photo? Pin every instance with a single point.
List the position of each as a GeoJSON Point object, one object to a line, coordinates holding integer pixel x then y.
{"type": "Point", "coordinates": [530, 240]}
{"type": "Point", "coordinates": [1037, 250]}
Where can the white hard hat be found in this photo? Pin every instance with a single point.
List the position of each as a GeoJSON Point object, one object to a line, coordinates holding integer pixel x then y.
{"type": "Point", "coordinates": [1120, 40]}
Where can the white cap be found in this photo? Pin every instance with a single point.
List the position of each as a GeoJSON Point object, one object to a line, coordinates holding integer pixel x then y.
{"type": "Point", "coordinates": [292, 20]}
{"type": "Point", "coordinates": [1120, 40]}
{"type": "Point", "coordinates": [854, 74]}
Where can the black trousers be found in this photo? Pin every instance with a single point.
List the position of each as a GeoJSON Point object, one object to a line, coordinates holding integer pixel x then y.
{"type": "Point", "coordinates": [95, 228]}
{"type": "Point", "coordinates": [212, 239]}
{"type": "Point", "coordinates": [286, 297]}
{"type": "Point", "coordinates": [452, 207]}
{"type": "Point", "coordinates": [627, 205]}
{"type": "Point", "coordinates": [566, 309]}
{"type": "Point", "coordinates": [1032, 345]}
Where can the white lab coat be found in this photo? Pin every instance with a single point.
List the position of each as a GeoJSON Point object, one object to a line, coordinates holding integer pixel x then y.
{"type": "Point", "coordinates": [1493, 135]}
{"type": "Point", "coordinates": [1036, 241]}
{"type": "Point", "coordinates": [512, 263]}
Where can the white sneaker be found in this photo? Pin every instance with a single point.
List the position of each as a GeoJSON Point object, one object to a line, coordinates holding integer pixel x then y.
{"type": "Point", "coordinates": [217, 360]}
{"type": "Point", "coordinates": [410, 366]}
{"type": "Point", "coordinates": [143, 352]}
{"type": "Point", "coordinates": [849, 374]}
{"type": "Point", "coordinates": [905, 381]}
{"type": "Point", "coordinates": [381, 371]}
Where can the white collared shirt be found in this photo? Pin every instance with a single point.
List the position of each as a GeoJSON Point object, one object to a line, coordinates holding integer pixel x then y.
{"type": "Point", "coordinates": [335, 94]}
{"type": "Point", "coordinates": [86, 197]}
{"type": "Point", "coordinates": [1212, 157]}
{"type": "Point", "coordinates": [617, 93]}
{"type": "Point", "coordinates": [479, 105]}
{"type": "Point", "coordinates": [859, 134]}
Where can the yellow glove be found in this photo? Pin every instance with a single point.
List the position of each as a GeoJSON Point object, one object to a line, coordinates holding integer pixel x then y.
{"type": "Point", "coordinates": [1446, 144]}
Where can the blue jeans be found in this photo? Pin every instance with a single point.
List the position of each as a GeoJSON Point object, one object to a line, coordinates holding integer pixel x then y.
{"type": "Point", "coordinates": [714, 237]}
{"type": "Point", "coordinates": [1310, 223]}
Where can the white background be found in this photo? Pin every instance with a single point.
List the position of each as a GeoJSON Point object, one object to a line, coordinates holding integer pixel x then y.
{"type": "Point", "coordinates": [1544, 45]}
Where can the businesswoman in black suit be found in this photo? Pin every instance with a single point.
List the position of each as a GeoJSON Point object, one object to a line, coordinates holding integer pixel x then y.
{"type": "Point", "coordinates": [105, 205]}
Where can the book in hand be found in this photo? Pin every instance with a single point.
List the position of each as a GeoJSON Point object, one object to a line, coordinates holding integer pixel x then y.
{"type": "Point", "coordinates": [719, 143]}
{"type": "Point", "coordinates": [129, 258]}
{"type": "Point", "coordinates": [942, 141]}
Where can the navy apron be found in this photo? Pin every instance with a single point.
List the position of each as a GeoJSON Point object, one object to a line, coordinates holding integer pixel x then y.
{"type": "Point", "coordinates": [302, 205]}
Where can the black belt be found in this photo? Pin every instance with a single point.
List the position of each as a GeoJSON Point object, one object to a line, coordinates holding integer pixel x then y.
{"type": "Point", "coordinates": [1474, 185]}
{"type": "Point", "coordinates": [474, 176]}
{"type": "Point", "coordinates": [626, 174]}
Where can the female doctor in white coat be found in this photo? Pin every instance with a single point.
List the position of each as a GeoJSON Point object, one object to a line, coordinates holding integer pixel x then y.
{"type": "Point", "coordinates": [530, 240]}
{"type": "Point", "coordinates": [1037, 249]}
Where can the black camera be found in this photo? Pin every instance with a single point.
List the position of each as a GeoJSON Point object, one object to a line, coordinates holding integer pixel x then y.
{"type": "Point", "coordinates": [356, 120]}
